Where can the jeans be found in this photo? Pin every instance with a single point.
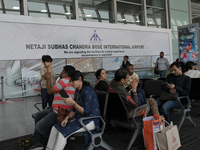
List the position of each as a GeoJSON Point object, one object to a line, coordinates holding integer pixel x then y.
{"type": "Point", "coordinates": [44, 120]}
{"type": "Point", "coordinates": [162, 73]}
{"type": "Point", "coordinates": [46, 98]}
{"type": "Point", "coordinates": [166, 106]}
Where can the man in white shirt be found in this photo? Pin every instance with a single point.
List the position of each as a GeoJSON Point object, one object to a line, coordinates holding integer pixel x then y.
{"type": "Point", "coordinates": [162, 64]}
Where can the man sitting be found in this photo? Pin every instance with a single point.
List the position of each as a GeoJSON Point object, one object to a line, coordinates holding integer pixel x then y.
{"type": "Point", "coordinates": [178, 82]}
{"type": "Point", "coordinates": [45, 119]}
{"type": "Point", "coordinates": [140, 92]}
{"type": "Point", "coordinates": [117, 85]}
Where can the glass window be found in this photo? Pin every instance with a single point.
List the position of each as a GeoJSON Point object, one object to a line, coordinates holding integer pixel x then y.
{"type": "Point", "coordinates": [195, 19]}
{"type": "Point", "coordinates": [157, 3]}
{"type": "Point", "coordinates": [132, 1]}
{"type": "Point", "coordinates": [95, 10]}
{"type": "Point", "coordinates": [58, 16]}
{"type": "Point", "coordinates": [38, 14]}
{"type": "Point", "coordinates": [175, 42]}
{"type": "Point", "coordinates": [195, 8]}
{"type": "Point", "coordinates": [129, 14]}
{"type": "Point", "coordinates": [37, 9]}
{"type": "Point", "coordinates": [56, 8]}
{"type": "Point", "coordinates": [12, 6]}
{"type": "Point", "coordinates": [179, 4]}
{"type": "Point", "coordinates": [61, 11]}
{"type": "Point", "coordinates": [156, 18]}
{"type": "Point", "coordinates": [179, 18]}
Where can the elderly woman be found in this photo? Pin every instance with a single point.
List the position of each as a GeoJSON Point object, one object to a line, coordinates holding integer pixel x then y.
{"type": "Point", "coordinates": [101, 84]}
{"type": "Point", "coordinates": [85, 104]}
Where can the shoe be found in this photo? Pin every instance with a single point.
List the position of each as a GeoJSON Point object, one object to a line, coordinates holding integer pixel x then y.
{"type": "Point", "coordinates": [36, 147]}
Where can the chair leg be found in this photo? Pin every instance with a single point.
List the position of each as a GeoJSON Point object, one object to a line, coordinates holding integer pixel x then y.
{"type": "Point", "coordinates": [189, 117]}
{"type": "Point", "coordinates": [181, 122]}
{"type": "Point", "coordinates": [136, 132]}
{"type": "Point", "coordinates": [90, 147]}
{"type": "Point", "coordinates": [105, 145]}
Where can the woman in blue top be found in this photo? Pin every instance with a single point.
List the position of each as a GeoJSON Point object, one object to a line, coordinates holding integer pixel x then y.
{"type": "Point", "coordinates": [85, 104]}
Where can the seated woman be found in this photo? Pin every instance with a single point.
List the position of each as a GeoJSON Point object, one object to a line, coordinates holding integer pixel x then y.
{"type": "Point", "coordinates": [86, 104]}
{"type": "Point", "coordinates": [101, 84]}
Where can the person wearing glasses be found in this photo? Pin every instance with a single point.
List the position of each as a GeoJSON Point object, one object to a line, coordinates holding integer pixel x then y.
{"type": "Point", "coordinates": [86, 104]}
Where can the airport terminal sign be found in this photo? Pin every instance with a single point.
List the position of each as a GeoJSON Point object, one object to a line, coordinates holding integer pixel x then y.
{"type": "Point", "coordinates": [24, 40]}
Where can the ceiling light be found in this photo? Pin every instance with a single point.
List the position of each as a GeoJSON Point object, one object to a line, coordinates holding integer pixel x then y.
{"type": "Point", "coordinates": [123, 19]}
{"type": "Point", "coordinates": [43, 10]}
{"type": "Point", "coordinates": [138, 21]}
{"type": "Point", "coordinates": [68, 13]}
{"type": "Point", "coordinates": [15, 7]}
{"type": "Point", "coordinates": [88, 15]}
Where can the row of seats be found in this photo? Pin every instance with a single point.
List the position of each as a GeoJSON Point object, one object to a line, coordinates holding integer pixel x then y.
{"type": "Point", "coordinates": [115, 113]}
{"type": "Point", "coordinates": [152, 88]}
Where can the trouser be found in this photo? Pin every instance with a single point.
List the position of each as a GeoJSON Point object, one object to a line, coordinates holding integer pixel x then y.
{"type": "Point", "coordinates": [57, 141]}
{"type": "Point", "coordinates": [46, 98]}
{"type": "Point", "coordinates": [153, 108]}
{"type": "Point", "coordinates": [166, 106]}
{"type": "Point", "coordinates": [162, 73]}
{"type": "Point", "coordinates": [44, 120]}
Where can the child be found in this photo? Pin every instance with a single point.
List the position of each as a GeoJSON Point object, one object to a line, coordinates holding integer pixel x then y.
{"type": "Point", "coordinates": [46, 67]}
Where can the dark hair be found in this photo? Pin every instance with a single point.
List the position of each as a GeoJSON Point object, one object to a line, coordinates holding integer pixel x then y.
{"type": "Point", "coordinates": [129, 65]}
{"type": "Point", "coordinates": [126, 56]}
{"type": "Point", "coordinates": [189, 65]}
{"type": "Point", "coordinates": [162, 53]}
{"type": "Point", "coordinates": [121, 74]}
{"type": "Point", "coordinates": [69, 70]}
{"type": "Point", "coordinates": [179, 64]}
{"type": "Point", "coordinates": [75, 76]}
{"type": "Point", "coordinates": [98, 73]}
{"type": "Point", "coordinates": [46, 58]}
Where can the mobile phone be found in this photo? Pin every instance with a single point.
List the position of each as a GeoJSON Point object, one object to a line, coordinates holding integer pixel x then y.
{"type": "Point", "coordinates": [63, 93]}
{"type": "Point", "coordinates": [165, 83]}
{"type": "Point", "coordinates": [71, 119]}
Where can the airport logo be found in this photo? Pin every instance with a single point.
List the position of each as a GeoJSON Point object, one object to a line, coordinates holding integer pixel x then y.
{"type": "Point", "coordinates": [95, 38]}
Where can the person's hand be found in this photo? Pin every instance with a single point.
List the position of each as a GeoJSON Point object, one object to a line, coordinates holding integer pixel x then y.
{"type": "Point", "coordinates": [64, 122]}
{"type": "Point", "coordinates": [170, 86]}
{"type": "Point", "coordinates": [172, 90]}
{"type": "Point", "coordinates": [68, 100]}
{"type": "Point", "coordinates": [134, 84]}
{"type": "Point", "coordinates": [47, 76]}
{"type": "Point", "coordinates": [49, 68]}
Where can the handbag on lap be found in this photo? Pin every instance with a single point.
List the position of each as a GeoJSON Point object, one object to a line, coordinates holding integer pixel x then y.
{"type": "Point", "coordinates": [62, 113]}
{"type": "Point", "coordinates": [165, 96]}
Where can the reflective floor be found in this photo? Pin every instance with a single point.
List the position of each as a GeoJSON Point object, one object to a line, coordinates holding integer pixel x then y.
{"type": "Point", "coordinates": [16, 117]}
{"type": "Point", "coordinates": [16, 121]}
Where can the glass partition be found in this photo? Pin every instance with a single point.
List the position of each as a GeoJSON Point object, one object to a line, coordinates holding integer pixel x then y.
{"type": "Point", "coordinates": [11, 75]}
{"type": "Point", "coordinates": [31, 74]}
{"type": "Point", "coordinates": [37, 9]}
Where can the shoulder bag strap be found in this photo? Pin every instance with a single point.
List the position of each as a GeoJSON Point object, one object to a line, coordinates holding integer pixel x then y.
{"type": "Point", "coordinates": [182, 80]}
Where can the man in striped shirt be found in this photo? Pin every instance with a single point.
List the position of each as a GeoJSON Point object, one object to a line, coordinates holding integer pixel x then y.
{"type": "Point", "coordinates": [45, 119]}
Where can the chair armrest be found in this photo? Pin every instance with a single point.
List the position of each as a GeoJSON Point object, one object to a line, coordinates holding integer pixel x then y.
{"type": "Point", "coordinates": [152, 96]}
{"type": "Point", "coordinates": [134, 111]}
{"type": "Point", "coordinates": [188, 101]}
{"type": "Point", "coordinates": [95, 117]}
{"type": "Point", "coordinates": [35, 105]}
